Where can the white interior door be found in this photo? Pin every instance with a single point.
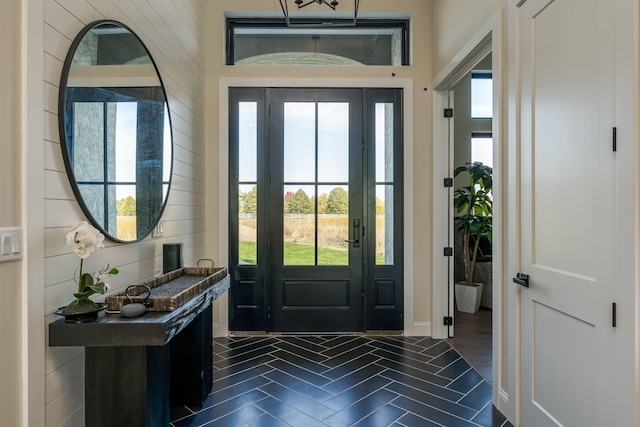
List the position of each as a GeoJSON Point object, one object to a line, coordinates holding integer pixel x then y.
{"type": "Point", "coordinates": [567, 211]}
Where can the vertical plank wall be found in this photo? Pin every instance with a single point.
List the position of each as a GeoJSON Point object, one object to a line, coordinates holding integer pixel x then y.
{"type": "Point", "coordinates": [173, 32]}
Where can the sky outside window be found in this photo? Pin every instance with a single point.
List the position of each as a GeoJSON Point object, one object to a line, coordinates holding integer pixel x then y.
{"type": "Point", "coordinates": [481, 95]}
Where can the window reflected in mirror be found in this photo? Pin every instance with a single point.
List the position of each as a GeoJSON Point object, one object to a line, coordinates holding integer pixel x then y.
{"type": "Point", "coordinates": [116, 131]}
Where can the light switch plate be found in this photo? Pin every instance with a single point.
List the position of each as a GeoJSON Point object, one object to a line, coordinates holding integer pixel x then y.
{"type": "Point", "coordinates": [10, 244]}
{"type": "Point", "coordinates": [157, 230]}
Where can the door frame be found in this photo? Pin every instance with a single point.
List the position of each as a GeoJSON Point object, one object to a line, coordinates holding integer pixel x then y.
{"type": "Point", "coordinates": [489, 39]}
{"type": "Point", "coordinates": [411, 327]}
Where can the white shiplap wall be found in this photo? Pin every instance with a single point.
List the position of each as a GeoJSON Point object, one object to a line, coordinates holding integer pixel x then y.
{"type": "Point", "coordinates": [173, 32]}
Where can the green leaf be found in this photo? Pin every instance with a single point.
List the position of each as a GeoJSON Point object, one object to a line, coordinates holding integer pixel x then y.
{"type": "Point", "coordinates": [83, 295]}
{"type": "Point", "coordinates": [113, 271]}
{"type": "Point", "coordinates": [99, 288]}
{"type": "Point", "coordinates": [85, 280]}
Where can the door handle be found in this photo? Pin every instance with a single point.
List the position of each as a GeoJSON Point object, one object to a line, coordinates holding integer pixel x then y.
{"type": "Point", "coordinates": [522, 279]}
{"type": "Point", "coordinates": [356, 234]}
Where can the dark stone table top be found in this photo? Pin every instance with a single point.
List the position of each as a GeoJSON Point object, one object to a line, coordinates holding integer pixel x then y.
{"type": "Point", "coordinates": [150, 329]}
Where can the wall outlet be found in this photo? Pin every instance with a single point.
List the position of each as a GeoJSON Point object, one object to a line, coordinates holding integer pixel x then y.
{"type": "Point", "coordinates": [10, 244]}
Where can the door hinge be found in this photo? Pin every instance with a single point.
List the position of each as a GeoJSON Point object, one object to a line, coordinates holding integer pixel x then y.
{"type": "Point", "coordinates": [448, 182]}
{"type": "Point", "coordinates": [448, 112]}
{"type": "Point", "coordinates": [614, 315]}
{"type": "Point", "coordinates": [615, 139]}
{"type": "Point", "coordinates": [448, 320]}
{"type": "Point", "coordinates": [448, 251]}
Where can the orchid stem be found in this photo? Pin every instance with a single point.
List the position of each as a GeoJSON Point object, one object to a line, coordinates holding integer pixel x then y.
{"type": "Point", "coordinates": [80, 277]}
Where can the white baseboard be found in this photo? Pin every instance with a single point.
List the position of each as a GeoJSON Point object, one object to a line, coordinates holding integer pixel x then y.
{"type": "Point", "coordinates": [218, 332]}
{"type": "Point", "coordinates": [503, 396]}
{"type": "Point", "coordinates": [421, 329]}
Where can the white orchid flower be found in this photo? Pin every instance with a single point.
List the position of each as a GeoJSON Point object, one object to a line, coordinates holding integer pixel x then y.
{"type": "Point", "coordinates": [85, 239]}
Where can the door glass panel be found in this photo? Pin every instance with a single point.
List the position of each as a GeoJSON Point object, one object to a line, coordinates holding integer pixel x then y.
{"type": "Point", "coordinates": [123, 145]}
{"type": "Point", "coordinates": [88, 122]}
{"type": "Point", "coordinates": [384, 142]}
{"type": "Point", "coordinates": [247, 142]}
{"type": "Point", "coordinates": [299, 225]}
{"type": "Point", "coordinates": [248, 185]}
{"type": "Point", "coordinates": [333, 225]}
{"type": "Point", "coordinates": [94, 196]}
{"type": "Point", "coordinates": [384, 183]}
{"type": "Point", "coordinates": [125, 195]}
{"type": "Point", "coordinates": [247, 224]}
{"type": "Point", "coordinates": [333, 142]}
{"type": "Point", "coordinates": [384, 225]}
{"type": "Point", "coordinates": [316, 217]}
{"type": "Point", "coordinates": [299, 141]}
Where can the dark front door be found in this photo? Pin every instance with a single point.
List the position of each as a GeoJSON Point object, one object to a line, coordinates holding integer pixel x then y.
{"type": "Point", "coordinates": [315, 201]}
{"type": "Point", "coordinates": [315, 197]}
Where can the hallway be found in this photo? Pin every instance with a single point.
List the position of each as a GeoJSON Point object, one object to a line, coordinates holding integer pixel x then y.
{"type": "Point", "coordinates": [473, 340]}
{"type": "Point", "coordinates": [342, 380]}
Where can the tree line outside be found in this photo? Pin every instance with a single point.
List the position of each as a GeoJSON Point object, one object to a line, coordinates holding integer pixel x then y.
{"type": "Point", "coordinates": [335, 203]}
{"type": "Point", "coordinates": [126, 206]}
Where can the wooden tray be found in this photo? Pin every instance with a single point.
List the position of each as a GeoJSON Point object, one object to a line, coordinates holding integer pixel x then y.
{"type": "Point", "coordinates": [171, 290]}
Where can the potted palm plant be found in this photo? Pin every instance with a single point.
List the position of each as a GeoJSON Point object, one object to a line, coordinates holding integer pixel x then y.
{"type": "Point", "coordinates": [473, 204]}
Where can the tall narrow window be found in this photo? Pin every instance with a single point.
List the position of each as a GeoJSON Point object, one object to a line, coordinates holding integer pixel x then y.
{"type": "Point", "coordinates": [384, 183]}
{"type": "Point", "coordinates": [481, 94]}
{"type": "Point", "coordinates": [482, 148]}
{"type": "Point", "coordinates": [247, 183]}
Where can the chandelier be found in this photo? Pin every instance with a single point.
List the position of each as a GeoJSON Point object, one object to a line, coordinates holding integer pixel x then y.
{"type": "Point", "coordinates": [284, 5]}
{"type": "Point", "coordinates": [302, 4]}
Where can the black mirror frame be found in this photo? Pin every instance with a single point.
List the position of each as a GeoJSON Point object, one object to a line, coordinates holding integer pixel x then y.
{"type": "Point", "coordinates": [62, 95]}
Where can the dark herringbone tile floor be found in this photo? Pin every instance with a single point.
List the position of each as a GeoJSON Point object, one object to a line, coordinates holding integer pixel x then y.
{"type": "Point", "coordinates": [364, 381]}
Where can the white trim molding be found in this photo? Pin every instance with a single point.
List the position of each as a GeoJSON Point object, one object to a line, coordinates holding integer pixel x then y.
{"type": "Point", "coordinates": [421, 329]}
{"type": "Point", "coordinates": [489, 38]}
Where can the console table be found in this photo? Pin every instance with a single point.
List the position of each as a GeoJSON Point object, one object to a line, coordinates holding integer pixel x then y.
{"type": "Point", "coordinates": [137, 368]}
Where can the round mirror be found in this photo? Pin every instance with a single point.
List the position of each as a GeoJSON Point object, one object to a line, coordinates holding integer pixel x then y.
{"type": "Point", "coordinates": [115, 131]}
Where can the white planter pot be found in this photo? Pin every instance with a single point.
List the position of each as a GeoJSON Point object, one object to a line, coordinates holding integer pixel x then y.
{"type": "Point", "coordinates": [468, 298]}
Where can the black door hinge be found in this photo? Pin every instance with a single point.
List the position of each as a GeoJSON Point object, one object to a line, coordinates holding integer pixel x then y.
{"type": "Point", "coordinates": [448, 251]}
{"type": "Point", "coordinates": [614, 315]}
{"type": "Point", "coordinates": [448, 321]}
{"type": "Point", "coordinates": [448, 182]}
{"type": "Point", "coordinates": [448, 112]}
{"type": "Point", "coordinates": [615, 139]}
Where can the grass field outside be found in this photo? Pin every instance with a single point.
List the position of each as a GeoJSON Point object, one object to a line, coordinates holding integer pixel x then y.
{"type": "Point", "coordinates": [126, 227]}
{"type": "Point", "coordinates": [299, 239]}
{"type": "Point", "coordinates": [299, 254]}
